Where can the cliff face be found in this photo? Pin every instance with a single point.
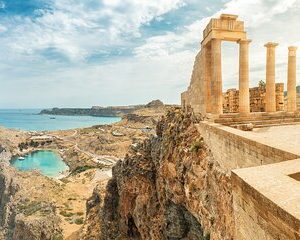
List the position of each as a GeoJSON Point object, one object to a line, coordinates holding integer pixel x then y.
{"type": "Point", "coordinates": [20, 217]}
{"type": "Point", "coordinates": [167, 188]}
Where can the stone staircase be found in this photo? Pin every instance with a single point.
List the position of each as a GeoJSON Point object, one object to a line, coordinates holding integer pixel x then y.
{"type": "Point", "coordinates": [259, 119]}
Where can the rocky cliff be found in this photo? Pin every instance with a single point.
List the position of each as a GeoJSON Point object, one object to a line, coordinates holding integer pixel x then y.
{"type": "Point", "coordinates": [169, 187]}
{"type": "Point", "coordinates": [22, 218]}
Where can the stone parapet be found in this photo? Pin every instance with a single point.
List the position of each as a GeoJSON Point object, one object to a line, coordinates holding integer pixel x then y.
{"type": "Point", "coordinates": [266, 201]}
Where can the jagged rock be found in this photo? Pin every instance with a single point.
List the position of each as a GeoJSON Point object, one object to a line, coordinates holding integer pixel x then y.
{"type": "Point", "coordinates": [21, 219]}
{"type": "Point", "coordinates": [245, 127]}
{"type": "Point", "coordinates": [46, 228]}
{"type": "Point", "coordinates": [2, 149]}
{"type": "Point", "coordinates": [117, 134]}
{"type": "Point", "coordinates": [155, 104]}
{"type": "Point", "coordinates": [168, 187]}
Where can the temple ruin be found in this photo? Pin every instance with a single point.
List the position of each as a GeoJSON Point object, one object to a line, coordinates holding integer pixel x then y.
{"type": "Point", "coordinates": [257, 99]}
{"type": "Point", "coordinates": [252, 133]}
{"type": "Point", "coordinates": [205, 93]}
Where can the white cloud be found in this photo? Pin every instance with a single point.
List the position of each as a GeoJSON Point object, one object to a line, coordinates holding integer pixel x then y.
{"type": "Point", "coordinates": [2, 5]}
{"type": "Point", "coordinates": [2, 28]}
{"type": "Point", "coordinates": [265, 20]}
{"type": "Point", "coordinates": [77, 29]}
{"type": "Point", "coordinates": [257, 12]}
{"type": "Point", "coordinates": [172, 43]}
{"type": "Point", "coordinates": [161, 65]}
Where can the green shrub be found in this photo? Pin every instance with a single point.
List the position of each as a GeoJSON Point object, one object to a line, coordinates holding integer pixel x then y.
{"type": "Point", "coordinates": [81, 169]}
{"type": "Point", "coordinates": [197, 145]}
{"type": "Point", "coordinates": [207, 237]}
{"type": "Point", "coordinates": [66, 214]}
{"type": "Point", "coordinates": [79, 221]}
{"type": "Point", "coordinates": [58, 237]}
{"type": "Point", "coordinates": [30, 208]}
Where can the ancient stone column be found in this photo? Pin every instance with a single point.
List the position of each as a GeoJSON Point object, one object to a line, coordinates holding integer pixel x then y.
{"type": "Point", "coordinates": [244, 98]}
{"type": "Point", "coordinates": [216, 77]}
{"type": "Point", "coordinates": [291, 83]}
{"type": "Point", "coordinates": [270, 78]}
{"type": "Point", "coordinates": [207, 64]}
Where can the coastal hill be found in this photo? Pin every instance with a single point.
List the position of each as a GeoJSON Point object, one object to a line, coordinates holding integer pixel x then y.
{"type": "Point", "coordinates": [90, 153]}
{"type": "Point", "coordinates": [111, 111]}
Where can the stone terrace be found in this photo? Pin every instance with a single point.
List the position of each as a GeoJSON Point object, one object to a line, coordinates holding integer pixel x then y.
{"type": "Point", "coordinates": [267, 201]}
{"type": "Point", "coordinates": [265, 170]}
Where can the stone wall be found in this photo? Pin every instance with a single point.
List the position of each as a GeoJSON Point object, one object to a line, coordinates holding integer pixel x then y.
{"type": "Point", "coordinates": [232, 150]}
{"type": "Point", "coordinates": [257, 99]}
{"type": "Point", "coordinates": [256, 216]}
{"type": "Point", "coordinates": [195, 94]}
{"type": "Point", "coordinates": [265, 202]}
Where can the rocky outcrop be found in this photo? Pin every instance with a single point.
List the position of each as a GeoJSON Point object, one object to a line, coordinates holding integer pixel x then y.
{"type": "Point", "coordinates": [168, 187]}
{"type": "Point", "coordinates": [36, 229]}
{"type": "Point", "coordinates": [155, 104]}
{"type": "Point", "coordinates": [20, 217]}
{"type": "Point", "coordinates": [8, 189]}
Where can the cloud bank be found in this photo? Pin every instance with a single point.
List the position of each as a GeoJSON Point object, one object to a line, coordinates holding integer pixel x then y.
{"type": "Point", "coordinates": [110, 52]}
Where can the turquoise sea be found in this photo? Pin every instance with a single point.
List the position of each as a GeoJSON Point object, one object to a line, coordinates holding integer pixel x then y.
{"type": "Point", "coordinates": [47, 162]}
{"type": "Point", "coordinates": [29, 119]}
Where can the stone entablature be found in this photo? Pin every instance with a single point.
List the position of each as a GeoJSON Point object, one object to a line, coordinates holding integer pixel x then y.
{"type": "Point", "coordinates": [226, 28]}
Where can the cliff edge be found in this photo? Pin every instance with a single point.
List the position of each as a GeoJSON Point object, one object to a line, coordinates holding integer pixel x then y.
{"type": "Point", "coordinates": [168, 187]}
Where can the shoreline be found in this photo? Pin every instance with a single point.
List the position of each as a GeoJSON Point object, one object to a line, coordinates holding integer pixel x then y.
{"type": "Point", "coordinates": [61, 175]}
{"type": "Point", "coordinates": [90, 152]}
{"type": "Point", "coordinates": [32, 122]}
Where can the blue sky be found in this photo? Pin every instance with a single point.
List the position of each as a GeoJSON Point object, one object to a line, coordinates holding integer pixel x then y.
{"type": "Point", "coordinates": [72, 53]}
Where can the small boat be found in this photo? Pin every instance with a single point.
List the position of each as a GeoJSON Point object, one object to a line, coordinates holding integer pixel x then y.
{"type": "Point", "coordinates": [52, 117]}
{"type": "Point", "coordinates": [21, 158]}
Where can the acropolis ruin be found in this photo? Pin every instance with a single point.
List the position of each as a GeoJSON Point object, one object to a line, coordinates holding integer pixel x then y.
{"type": "Point", "coordinates": [263, 161]}
{"type": "Point", "coordinates": [205, 93]}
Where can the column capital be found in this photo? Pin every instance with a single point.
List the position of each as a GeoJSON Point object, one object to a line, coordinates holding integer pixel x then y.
{"type": "Point", "coordinates": [244, 41]}
{"type": "Point", "coordinates": [271, 44]}
{"type": "Point", "coordinates": [293, 48]}
{"type": "Point", "coordinates": [216, 39]}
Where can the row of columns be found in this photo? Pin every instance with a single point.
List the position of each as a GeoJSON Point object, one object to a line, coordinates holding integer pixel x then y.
{"type": "Point", "coordinates": [214, 78]}
{"type": "Point", "coordinates": [270, 79]}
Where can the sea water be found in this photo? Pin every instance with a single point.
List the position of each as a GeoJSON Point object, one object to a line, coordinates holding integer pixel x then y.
{"type": "Point", "coordinates": [48, 163]}
{"type": "Point", "coordinates": [31, 120]}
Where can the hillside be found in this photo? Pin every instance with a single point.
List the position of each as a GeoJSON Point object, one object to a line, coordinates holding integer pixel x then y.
{"type": "Point", "coordinates": [112, 111]}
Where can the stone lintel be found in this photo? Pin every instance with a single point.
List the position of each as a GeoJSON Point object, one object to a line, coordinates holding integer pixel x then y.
{"type": "Point", "coordinates": [271, 44]}
{"type": "Point", "coordinates": [224, 36]}
{"type": "Point", "coordinates": [228, 16]}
